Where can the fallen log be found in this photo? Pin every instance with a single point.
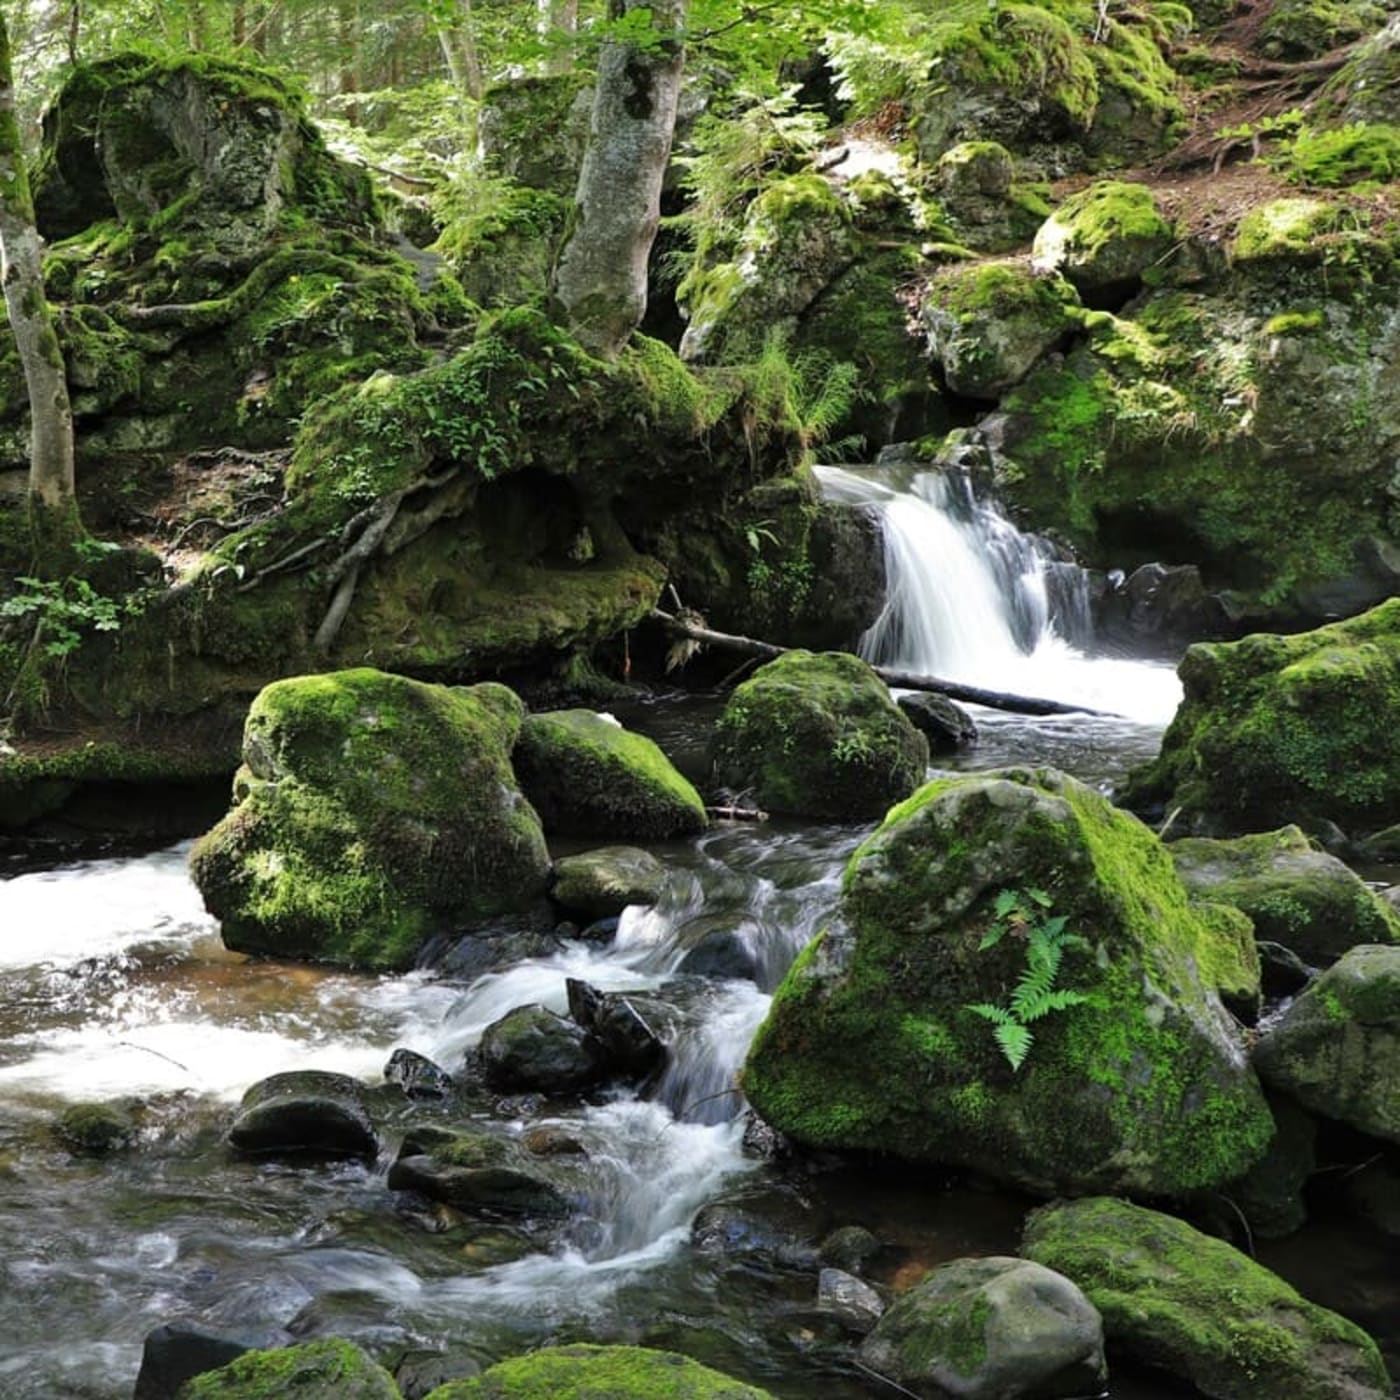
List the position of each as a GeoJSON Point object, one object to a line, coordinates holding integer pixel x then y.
{"type": "Point", "coordinates": [904, 680]}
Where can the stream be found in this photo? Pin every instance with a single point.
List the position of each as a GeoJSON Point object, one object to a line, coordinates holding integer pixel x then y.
{"type": "Point", "coordinates": [114, 985]}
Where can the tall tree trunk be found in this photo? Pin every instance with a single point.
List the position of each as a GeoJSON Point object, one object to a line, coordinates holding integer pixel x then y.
{"type": "Point", "coordinates": [348, 22]}
{"type": "Point", "coordinates": [558, 24]}
{"type": "Point", "coordinates": [51, 415]}
{"type": "Point", "coordinates": [457, 36]}
{"type": "Point", "coordinates": [601, 280]}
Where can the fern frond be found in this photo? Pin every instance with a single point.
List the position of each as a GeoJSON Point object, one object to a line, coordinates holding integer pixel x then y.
{"type": "Point", "coordinates": [1060, 1000]}
{"type": "Point", "coordinates": [1006, 901]}
{"type": "Point", "coordinates": [1015, 1041]}
{"type": "Point", "coordinates": [997, 1015]}
{"type": "Point", "coordinates": [992, 937]}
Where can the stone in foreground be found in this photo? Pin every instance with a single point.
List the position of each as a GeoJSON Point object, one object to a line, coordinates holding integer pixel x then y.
{"type": "Point", "coordinates": [324, 1370]}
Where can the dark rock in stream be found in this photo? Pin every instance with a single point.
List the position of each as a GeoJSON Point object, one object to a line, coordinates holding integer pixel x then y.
{"type": "Point", "coordinates": [991, 1329]}
{"type": "Point", "coordinates": [305, 1111]}
{"type": "Point", "coordinates": [855, 1305]}
{"type": "Point", "coordinates": [474, 1173]}
{"type": "Point", "coordinates": [719, 947]}
{"type": "Point", "coordinates": [849, 1249]}
{"type": "Point", "coordinates": [417, 1075]}
{"type": "Point", "coordinates": [178, 1350]}
{"type": "Point", "coordinates": [633, 1049]}
{"type": "Point", "coordinates": [466, 956]}
{"type": "Point", "coordinates": [95, 1129]}
{"type": "Point", "coordinates": [767, 1221]}
{"type": "Point", "coordinates": [946, 726]}
{"type": "Point", "coordinates": [1282, 973]}
{"type": "Point", "coordinates": [420, 1372]}
{"type": "Point", "coordinates": [532, 1048]}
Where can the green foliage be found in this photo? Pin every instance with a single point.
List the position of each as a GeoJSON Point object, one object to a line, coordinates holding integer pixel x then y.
{"type": "Point", "coordinates": [1025, 915]}
{"type": "Point", "coordinates": [1346, 155]}
{"type": "Point", "coordinates": [807, 391]}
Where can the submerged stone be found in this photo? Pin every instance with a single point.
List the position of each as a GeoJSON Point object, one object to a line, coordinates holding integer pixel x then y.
{"type": "Point", "coordinates": [1136, 1078]}
{"type": "Point", "coordinates": [1199, 1308]}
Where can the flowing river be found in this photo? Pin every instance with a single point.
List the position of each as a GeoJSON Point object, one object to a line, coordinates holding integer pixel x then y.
{"type": "Point", "coordinates": [114, 985]}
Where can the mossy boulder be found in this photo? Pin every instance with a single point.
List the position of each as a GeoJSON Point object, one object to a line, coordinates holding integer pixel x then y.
{"type": "Point", "coordinates": [371, 811]}
{"type": "Point", "coordinates": [503, 255]}
{"type": "Point", "coordinates": [1363, 89]}
{"type": "Point", "coordinates": [474, 1173]}
{"type": "Point", "coordinates": [979, 198]}
{"type": "Point", "coordinates": [588, 776]}
{"type": "Point", "coordinates": [1303, 898]}
{"type": "Point", "coordinates": [601, 884]}
{"type": "Point", "coordinates": [1103, 239]}
{"type": "Point", "coordinates": [1336, 1050]}
{"type": "Point", "coordinates": [1199, 1308]}
{"type": "Point", "coordinates": [330, 1369]}
{"type": "Point", "coordinates": [534, 130]}
{"type": "Point", "coordinates": [1303, 728]}
{"type": "Point", "coordinates": [990, 1329]}
{"type": "Point", "coordinates": [582, 1372]}
{"type": "Point", "coordinates": [988, 323]}
{"type": "Point", "coordinates": [535, 1050]}
{"type": "Point", "coordinates": [1140, 1086]}
{"type": "Point", "coordinates": [818, 734]}
{"type": "Point", "coordinates": [96, 1129]}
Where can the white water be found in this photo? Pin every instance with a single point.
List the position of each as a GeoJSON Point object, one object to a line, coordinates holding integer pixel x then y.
{"type": "Point", "coordinates": [972, 599]}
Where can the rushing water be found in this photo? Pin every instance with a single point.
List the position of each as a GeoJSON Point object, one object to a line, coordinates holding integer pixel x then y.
{"type": "Point", "coordinates": [114, 985]}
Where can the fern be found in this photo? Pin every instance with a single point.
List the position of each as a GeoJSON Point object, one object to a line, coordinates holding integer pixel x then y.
{"type": "Point", "coordinates": [1023, 914]}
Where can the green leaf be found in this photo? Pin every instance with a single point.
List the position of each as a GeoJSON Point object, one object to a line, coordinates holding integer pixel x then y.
{"type": "Point", "coordinates": [1040, 897]}
{"type": "Point", "coordinates": [997, 1015]}
{"type": "Point", "coordinates": [1015, 1042]}
{"type": "Point", "coordinates": [1006, 901]}
{"type": "Point", "coordinates": [992, 937]}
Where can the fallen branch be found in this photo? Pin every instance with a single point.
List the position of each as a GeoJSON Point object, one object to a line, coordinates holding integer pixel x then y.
{"type": "Point", "coordinates": [737, 814]}
{"type": "Point", "coordinates": [905, 680]}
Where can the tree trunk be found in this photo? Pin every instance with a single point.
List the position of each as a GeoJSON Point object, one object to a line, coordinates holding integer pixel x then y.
{"type": "Point", "coordinates": [558, 24]}
{"type": "Point", "coordinates": [602, 275]}
{"type": "Point", "coordinates": [51, 415]}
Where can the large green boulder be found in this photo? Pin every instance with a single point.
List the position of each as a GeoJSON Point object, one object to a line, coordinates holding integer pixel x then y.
{"type": "Point", "coordinates": [1336, 1050]}
{"type": "Point", "coordinates": [588, 776]}
{"type": "Point", "coordinates": [882, 1036]}
{"type": "Point", "coordinates": [326, 1370]}
{"type": "Point", "coordinates": [1104, 239]}
{"type": "Point", "coordinates": [989, 322]}
{"type": "Point", "coordinates": [1310, 902]}
{"type": "Point", "coordinates": [371, 811]}
{"type": "Point", "coordinates": [1298, 728]}
{"type": "Point", "coordinates": [592, 1373]}
{"type": "Point", "coordinates": [1193, 1305]}
{"type": "Point", "coordinates": [819, 735]}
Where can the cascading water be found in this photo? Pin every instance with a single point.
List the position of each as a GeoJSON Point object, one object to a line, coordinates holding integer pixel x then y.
{"type": "Point", "coordinates": [972, 599]}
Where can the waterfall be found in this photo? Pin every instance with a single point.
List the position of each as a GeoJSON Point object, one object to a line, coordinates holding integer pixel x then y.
{"type": "Point", "coordinates": [971, 598]}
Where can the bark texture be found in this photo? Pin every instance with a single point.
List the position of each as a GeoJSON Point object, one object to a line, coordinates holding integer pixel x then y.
{"type": "Point", "coordinates": [51, 441]}
{"type": "Point", "coordinates": [602, 276]}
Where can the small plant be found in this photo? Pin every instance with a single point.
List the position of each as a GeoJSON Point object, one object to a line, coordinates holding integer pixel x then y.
{"type": "Point", "coordinates": [1025, 915]}
{"type": "Point", "coordinates": [63, 610]}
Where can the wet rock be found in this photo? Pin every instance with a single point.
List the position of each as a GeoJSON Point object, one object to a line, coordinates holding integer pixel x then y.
{"type": "Point", "coordinates": [96, 1129]}
{"type": "Point", "coordinates": [1103, 239]}
{"type": "Point", "coordinates": [588, 776]}
{"type": "Point", "coordinates": [421, 1372]}
{"type": "Point", "coordinates": [1382, 846]}
{"type": "Point", "coordinates": [1162, 602]}
{"type": "Point", "coordinates": [631, 1047]}
{"type": "Point", "coordinates": [323, 1370]}
{"type": "Point", "coordinates": [508, 941]}
{"type": "Point", "coordinates": [946, 726]}
{"type": "Point", "coordinates": [600, 884]}
{"type": "Point", "coordinates": [532, 1048]}
{"type": "Point", "coordinates": [551, 1140]}
{"type": "Point", "coordinates": [1372, 1194]}
{"type": "Point", "coordinates": [1302, 898]}
{"type": "Point", "coordinates": [1270, 1194]}
{"type": "Point", "coordinates": [305, 1111]}
{"type": "Point", "coordinates": [600, 931]}
{"type": "Point", "coordinates": [990, 1329]}
{"type": "Point", "coordinates": [771, 1223]}
{"type": "Point", "coordinates": [176, 1351]}
{"type": "Point", "coordinates": [718, 946]}
{"type": "Point", "coordinates": [1195, 1306]}
{"type": "Point", "coordinates": [1282, 972]}
{"type": "Point", "coordinates": [852, 1303]}
{"type": "Point", "coordinates": [372, 810]}
{"type": "Point", "coordinates": [475, 1173]}
{"type": "Point", "coordinates": [850, 1248]}
{"type": "Point", "coordinates": [618, 1373]}
{"type": "Point", "coordinates": [818, 735]}
{"type": "Point", "coordinates": [417, 1075]}
{"type": "Point", "coordinates": [881, 1001]}
{"type": "Point", "coordinates": [1336, 1050]}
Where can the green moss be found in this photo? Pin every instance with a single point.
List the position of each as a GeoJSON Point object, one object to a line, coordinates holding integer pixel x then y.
{"type": "Point", "coordinates": [1294, 322]}
{"type": "Point", "coordinates": [585, 1372]}
{"type": "Point", "coordinates": [503, 253]}
{"type": "Point", "coordinates": [324, 1370]}
{"type": "Point", "coordinates": [588, 776]}
{"type": "Point", "coordinates": [1173, 1297]}
{"type": "Point", "coordinates": [1345, 155]}
{"type": "Point", "coordinates": [1123, 1088]}
{"type": "Point", "coordinates": [1284, 228]}
{"type": "Point", "coordinates": [1105, 236]}
{"type": "Point", "coordinates": [95, 1129]}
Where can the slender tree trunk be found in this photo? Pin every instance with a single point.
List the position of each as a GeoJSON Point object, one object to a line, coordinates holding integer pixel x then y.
{"type": "Point", "coordinates": [75, 24]}
{"type": "Point", "coordinates": [601, 280]}
{"type": "Point", "coordinates": [558, 24]}
{"type": "Point", "coordinates": [457, 36]}
{"type": "Point", "coordinates": [348, 20]}
{"type": "Point", "coordinates": [51, 479]}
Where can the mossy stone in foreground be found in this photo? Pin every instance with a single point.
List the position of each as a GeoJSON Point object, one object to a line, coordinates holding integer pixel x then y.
{"type": "Point", "coordinates": [371, 811]}
{"type": "Point", "coordinates": [1310, 902]}
{"type": "Point", "coordinates": [1105, 237]}
{"type": "Point", "coordinates": [1142, 1088]}
{"type": "Point", "coordinates": [1175, 1298]}
{"type": "Point", "coordinates": [1285, 728]}
{"type": "Point", "coordinates": [588, 776]}
{"type": "Point", "coordinates": [592, 1373]}
{"type": "Point", "coordinates": [324, 1370]}
{"type": "Point", "coordinates": [818, 735]}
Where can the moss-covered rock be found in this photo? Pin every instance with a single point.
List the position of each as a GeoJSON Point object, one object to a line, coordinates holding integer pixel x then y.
{"type": "Point", "coordinates": [988, 323]}
{"type": "Point", "coordinates": [1302, 727]}
{"type": "Point", "coordinates": [1103, 239]}
{"type": "Point", "coordinates": [1175, 1298]}
{"type": "Point", "coordinates": [476, 1174]}
{"type": "Point", "coordinates": [819, 735]}
{"type": "Point", "coordinates": [326, 1370]}
{"type": "Point", "coordinates": [984, 1329]}
{"type": "Point", "coordinates": [371, 811]}
{"type": "Point", "coordinates": [1363, 89]}
{"type": "Point", "coordinates": [534, 130]}
{"type": "Point", "coordinates": [986, 209]}
{"type": "Point", "coordinates": [308, 1112]}
{"type": "Point", "coordinates": [1336, 1050]}
{"type": "Point", "coordinates": [1303, 29]}
{"type": "Point", "coordinates": [96, 1129]}
{"type": "Point", "coordinates": [588, 776]}
{"type": "Point", "coordinates": [601, 884]}
{"type": "Point", "coordinates": [503, 255]}
{"type": "Point", "coordinates": [1138, 1085]}
{"type": "Point", "coordinates": [1303, 898]}
{"type": "Point", "coordinates": [580, 1372]}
